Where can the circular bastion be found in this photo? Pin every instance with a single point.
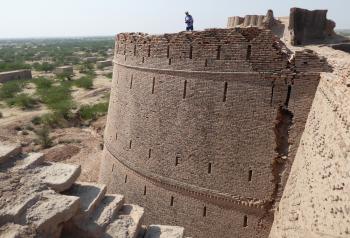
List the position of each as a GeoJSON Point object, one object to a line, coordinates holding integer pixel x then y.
{"type": "Point", "coordinates": [197, 127]}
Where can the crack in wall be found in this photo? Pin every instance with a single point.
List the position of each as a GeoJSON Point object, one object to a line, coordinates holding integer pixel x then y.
{"type": "Point", "coordinates": [283, 123]}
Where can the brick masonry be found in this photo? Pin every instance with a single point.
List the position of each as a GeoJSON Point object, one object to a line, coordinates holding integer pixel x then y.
{"type": "Point", "coordinates": [15, 75]}
{"type": "Point", "coordinates": [190, 131]}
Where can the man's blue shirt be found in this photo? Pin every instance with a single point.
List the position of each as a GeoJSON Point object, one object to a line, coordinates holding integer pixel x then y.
{"type": "Point", "coordinates": [189, 20]}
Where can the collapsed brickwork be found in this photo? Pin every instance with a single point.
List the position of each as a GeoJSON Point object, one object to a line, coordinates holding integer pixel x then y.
{"type": "Point", "coordinates": [193, 129]}
{"type": "Point", "coordinates": [267, 21]}
{"type": "Point", "coordinates": [301, 27]}
{"type": "Point", "coordinates": [316, 199]}
{"type": "Point", "coordinates": [309, 26]}
{"type": "Point", "coordinates": [15, 75]}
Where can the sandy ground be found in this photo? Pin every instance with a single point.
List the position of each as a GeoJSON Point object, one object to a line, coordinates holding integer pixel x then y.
{"type": "Point", "coordinates": [73, 145]}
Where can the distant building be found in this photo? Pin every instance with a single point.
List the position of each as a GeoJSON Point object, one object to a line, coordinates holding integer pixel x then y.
{"type": "Point", "coordinates": [64, 70]}
{"type": "Point", "coordinates": [15, 75]}
{"type": "Point", "coordinates": [90, 59]}
{"type": "Point", "coordinates": [104, 63]}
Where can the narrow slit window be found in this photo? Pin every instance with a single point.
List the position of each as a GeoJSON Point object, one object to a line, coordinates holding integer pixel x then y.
{"type": "Point", "coordinates": [169, 61]}
{"type": "Point", "coordinates": [144, 191]}
{"type": "Point", "coordinates": [225, 92]}
{"type": "Point", "coordinates": [272, 93]}
{"type": "Point", "coordinates": [143, 59]}
{"type": "Point", "coordinates": [149, 51]}
{"type": "Point", "coordinates": [116, 136]}
{"type": "Point", "coordinates": [130, 143]}
{"type": "Point", "coordinates": [177, 160]}
{"type": "Point", "coordinates": [218, 56]}
{"type": "Point", "coordinates": [209, 168]}
{"type": "Point", "coordinates": [249, 52]}
{"type": "Point", "coordinates": [126, 179]}
{"type": "Point", "coordinates": [191, 51]}
{"type": "Point", "coordinates": [204, 211]}
{"type": "Point", "coordinates": [153, 84]}
{"type": "Point", "coordinates": [112, 167]}
{"type": "Point", "coordinates": [206, 63]}
{"type": "Point", "coordinates": [185, 89]}
{"type": "Point", "coordinates": [134, 50]}
{"type": "Point", "coordinates": [250, 175]}
{"type": "Point", "coordinates": [172, 201]}
{"type": "Point", "coordinates": [168, 51]}
{"type": "Point", "coordinates": [132, 78]}
{"type": "Point", "coordinates": [245, 221]}
{"type": "Point", "coordinates": [149, 153]}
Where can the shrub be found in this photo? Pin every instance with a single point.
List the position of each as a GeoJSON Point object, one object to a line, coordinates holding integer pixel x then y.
{"type": "Point", "coordinates": [9, 89]}
{"type": "Point", "coordinates": [43, 137]}
{"type": "Point", "coordinates": [53, 120]}
{"type": "Point", "coordinates": [42, 83]}
{"type": "Point", "coordinates": [36, 120]}
{"type": "Point", "coordinates": [58, 98]}
{"type": "Point", "coordinates": [23, 101]}
{"type": "Point", "coordinates": [84, 82]}
{"type": "Point", "coordinates": [88, 112]}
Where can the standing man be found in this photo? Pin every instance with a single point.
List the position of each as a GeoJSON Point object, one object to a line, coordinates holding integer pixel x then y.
{"type": "Point", "coordinates": [189, 22]}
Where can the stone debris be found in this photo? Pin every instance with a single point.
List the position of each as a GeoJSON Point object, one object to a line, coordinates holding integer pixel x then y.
{"type": "Point", "coordinates": [127, 224]}
{"type": "Point", "coordinates": [40, 199]}
{"type": "Point", "coordinates": [155, 231]}
{"type": "Point", "coordinates": [59, 177]}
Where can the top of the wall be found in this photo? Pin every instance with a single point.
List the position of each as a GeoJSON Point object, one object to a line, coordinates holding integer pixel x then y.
{"type": "Point", "coordinates": [213, 33]}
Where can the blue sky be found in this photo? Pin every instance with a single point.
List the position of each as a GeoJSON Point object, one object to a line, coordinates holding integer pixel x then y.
{"type": "Point", "coordinates": [51, 18]}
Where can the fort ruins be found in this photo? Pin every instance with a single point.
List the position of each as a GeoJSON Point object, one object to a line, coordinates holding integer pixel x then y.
{"type": "Point", "coordinates": [237, 132]}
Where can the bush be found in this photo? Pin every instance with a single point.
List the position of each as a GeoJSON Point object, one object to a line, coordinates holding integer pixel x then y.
{"type": "Point", "coordinates": [36, 120]}
{"type": "Point", "coordinates": [23, 101]}
{"type": "Point", "coordinates": [88, 112]}
{"type": "Point", "coordinates": [84, 82]}
{"type": "Point", "coordinates": [11, 88]}
{"type": "Point", "coordinates": [43, 137]}
{"type": "Point", "coordinates": [44, 66]}
{"type": "Point", "coordinates": [54, 120]}
{"type": "Point", "coordinates": [42, 83]}
{"type": "Point", "coordinates": [58, 98]}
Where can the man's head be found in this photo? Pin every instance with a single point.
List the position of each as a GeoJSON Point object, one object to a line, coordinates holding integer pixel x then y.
{"type": "Point", "coordinates": [187, 13]}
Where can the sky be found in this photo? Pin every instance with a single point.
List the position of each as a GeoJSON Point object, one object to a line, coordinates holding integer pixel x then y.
{"type": "Point", "coordinates": [64, 18]}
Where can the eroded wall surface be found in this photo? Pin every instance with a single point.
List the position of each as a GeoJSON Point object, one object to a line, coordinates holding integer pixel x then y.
{"type": "Point", "coordinates": [316, 200]}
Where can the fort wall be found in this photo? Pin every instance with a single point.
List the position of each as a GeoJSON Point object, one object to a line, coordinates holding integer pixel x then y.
{"type": "Point", "coordinates": [192, 127]}
{"type": "Point", "coordinates": [15, 75]}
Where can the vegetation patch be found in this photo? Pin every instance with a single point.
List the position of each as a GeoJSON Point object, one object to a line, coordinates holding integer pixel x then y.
{"type": "Point", "coordinates": [11, 88]}
{"type": "Point", "coordinates": [23, 101]}
{"type": "Point", "coordinates": [92, 112]}
{"type": "Point", "coordinates": [43, 137]}
{"type": "Point", "coordinates": [10, 66]}
{"type": "Point", "coordinates": [58, 98]}
{"type": "Point", "coordinates": [42, 83]}
{"type": "Point", "coordinates": [84, 82]}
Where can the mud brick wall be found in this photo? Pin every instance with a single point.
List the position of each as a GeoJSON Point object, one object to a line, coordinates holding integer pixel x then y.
{"type": "Point", "coordinates": [15, 75]}
{"type": "Point", "coordinates": [190, 130]}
